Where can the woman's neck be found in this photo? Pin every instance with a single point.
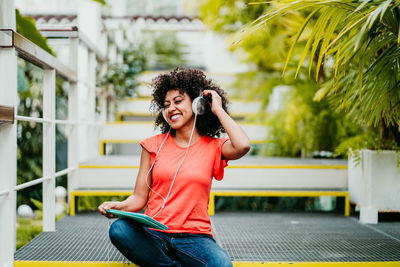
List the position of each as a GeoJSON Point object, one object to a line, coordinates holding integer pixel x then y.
{"type": "Point", "coordinates": [182, 135]}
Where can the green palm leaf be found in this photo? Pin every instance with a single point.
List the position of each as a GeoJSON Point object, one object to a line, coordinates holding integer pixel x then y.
{"type": "Point", "coordinates": [364, 39]}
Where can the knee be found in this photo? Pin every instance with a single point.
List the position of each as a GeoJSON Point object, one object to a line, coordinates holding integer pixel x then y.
{"type": "Point", "coordinates": [222, 260]}
{"type": "Point", "coordinates": [116, 231]}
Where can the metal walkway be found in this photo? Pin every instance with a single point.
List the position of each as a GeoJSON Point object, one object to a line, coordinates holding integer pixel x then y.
{"type": "Point", "coordinates": [251, 239]}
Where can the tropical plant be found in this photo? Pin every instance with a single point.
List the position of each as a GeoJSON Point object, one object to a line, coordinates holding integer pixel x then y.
{"type": "Point", "coordinates": [121, 77]}
{"type": "Point", "coordinates": [301, 125]}
{"type": "Point", "coordinates": [362, 37]}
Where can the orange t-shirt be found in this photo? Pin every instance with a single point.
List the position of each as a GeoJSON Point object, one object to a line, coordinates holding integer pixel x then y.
{"type": "Point", "coordinates": [186, 210]}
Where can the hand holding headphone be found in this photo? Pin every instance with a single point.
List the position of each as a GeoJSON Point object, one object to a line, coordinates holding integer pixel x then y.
{"type": "Point", "coordinates": [215, 100]}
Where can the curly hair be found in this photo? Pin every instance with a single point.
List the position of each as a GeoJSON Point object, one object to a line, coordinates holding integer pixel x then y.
{"type": "Point", "coordinates": [190, 81]}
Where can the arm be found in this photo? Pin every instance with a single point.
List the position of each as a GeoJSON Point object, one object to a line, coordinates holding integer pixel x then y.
{"type": "Point", "coordinates": [239, 143]}
{"type": "Point", "coordinates": [138, 199]}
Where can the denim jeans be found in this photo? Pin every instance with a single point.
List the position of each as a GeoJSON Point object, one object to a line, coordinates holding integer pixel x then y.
{"type": "Point", "coordinates": [146, 247]}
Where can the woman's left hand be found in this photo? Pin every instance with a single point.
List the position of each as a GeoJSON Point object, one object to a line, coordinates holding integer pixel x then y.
{"type": "Point", "coordinates": [216, 102]}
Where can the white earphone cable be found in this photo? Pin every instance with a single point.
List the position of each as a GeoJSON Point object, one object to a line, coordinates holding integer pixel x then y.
{"type": "Point", "coordinates": [151, 167]}
{"type": "Point", "coordinates": [109, 246]}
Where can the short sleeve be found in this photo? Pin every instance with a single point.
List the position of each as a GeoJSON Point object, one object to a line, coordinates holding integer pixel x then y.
{"type": "Point", "coordinates": [151, 145]}
{"type": "Point", "coordinates": [219, 163]}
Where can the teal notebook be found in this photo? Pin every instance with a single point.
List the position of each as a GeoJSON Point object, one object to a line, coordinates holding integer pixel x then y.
{"type": "Point", "coordinates": [138, 217]}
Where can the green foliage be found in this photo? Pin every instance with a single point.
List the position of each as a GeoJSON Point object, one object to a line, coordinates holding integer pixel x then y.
{"type": "Point", "coordinates": [158, 50]}
{"type": "Point", "coordinates": [39, 210]}
{"type": "Point", "coordinates": [103, 2]}
{"type": "Point", "coordinates": [92, 202]}
{"type": "Point", "coordinates": [363, 39]}
{"type": "Point", "coordinates": [39, 207]}
{"type": "Point", "coordinates": [228, 16]}
{"type": "Point", "coordinates": [26, 26]}
{"type": "Point", "coordinates": [302, 124]}
{"type": "Point", "coordinates": [29, 134]}
{"type": "Point", "coordinates": [29, 153]}
{"type": "Point", "coordinates": [272, 204]}
{"type": "Point", "coordinates": [27, 229]}
{"type": "Point", "coordinates": [122, 77]}
{"type": "Point", "coordinates": [259, 85]}
{"type": "Point", "coordinates": [163, 49]}
{"type": "Point", "coordinates": [370, 139]}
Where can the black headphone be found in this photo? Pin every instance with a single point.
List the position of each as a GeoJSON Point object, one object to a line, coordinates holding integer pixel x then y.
{"type": "Point", "coordinates": [198, 106]}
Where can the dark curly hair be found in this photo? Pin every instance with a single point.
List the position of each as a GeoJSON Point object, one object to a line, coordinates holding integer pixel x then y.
{"type": "Point", "coordinates": [191, 81]}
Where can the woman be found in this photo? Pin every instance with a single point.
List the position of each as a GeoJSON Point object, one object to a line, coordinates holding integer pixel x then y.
{"type": "Point", "coordinates": [175, 175]}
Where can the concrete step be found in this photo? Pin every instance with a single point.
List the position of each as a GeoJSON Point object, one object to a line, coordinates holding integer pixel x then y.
{"type": "Point", "coordinates": [252, 173]}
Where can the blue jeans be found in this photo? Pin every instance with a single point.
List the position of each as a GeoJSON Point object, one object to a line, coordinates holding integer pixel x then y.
{"type": "Point", "coordinates": [146, 247]}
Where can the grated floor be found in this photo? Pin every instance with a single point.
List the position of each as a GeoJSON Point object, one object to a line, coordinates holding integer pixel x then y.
{"type": "Point", "coordinates": [273, 237]}
{"type": "Point", "coordinates": [83, 237]}
{"type": "Point", "coordinates": [305, 237]}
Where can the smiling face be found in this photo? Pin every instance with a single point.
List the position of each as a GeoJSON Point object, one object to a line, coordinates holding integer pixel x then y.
{"type": "Point", "coordinates": [178, 109]}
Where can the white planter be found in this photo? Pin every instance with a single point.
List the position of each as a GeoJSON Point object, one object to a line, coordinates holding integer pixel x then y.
{"type": "Point", "coordinates": [374, 184]}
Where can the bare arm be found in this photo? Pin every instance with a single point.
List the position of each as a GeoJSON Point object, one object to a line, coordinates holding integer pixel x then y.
{"type": "Point", "coordinates": [138, 199]}
{"type": "Point", "coordinates": [239, 143]}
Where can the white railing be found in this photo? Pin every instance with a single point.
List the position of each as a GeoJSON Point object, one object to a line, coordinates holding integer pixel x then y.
{"type": "Point", "coordinates": [13, 45]}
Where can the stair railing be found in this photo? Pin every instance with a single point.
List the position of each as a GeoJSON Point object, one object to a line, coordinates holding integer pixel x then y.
{"type": "Point", "coordinates": [13, 45]}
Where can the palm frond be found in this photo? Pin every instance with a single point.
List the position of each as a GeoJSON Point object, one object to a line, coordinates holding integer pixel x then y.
{"type": "Point", "coordinates": [295, 41]}
{"type": "Point", "coordinates": [364, 39]}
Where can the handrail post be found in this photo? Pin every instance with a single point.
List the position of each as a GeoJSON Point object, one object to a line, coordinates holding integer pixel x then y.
{"type": "Point", "coordinates": [91, 84]}
{"type": "Point", "coordinates": [8, 141]}
{"type": "Point", "coordinates": [73, 115]}
{"type": "Point", "coordinates": [49, 149]}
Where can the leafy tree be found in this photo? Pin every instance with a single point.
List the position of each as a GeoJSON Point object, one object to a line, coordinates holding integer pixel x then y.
{"type": "Point", "coordinates": [301, 125]}
{"type": "Point", "coordinates": [363, 39]}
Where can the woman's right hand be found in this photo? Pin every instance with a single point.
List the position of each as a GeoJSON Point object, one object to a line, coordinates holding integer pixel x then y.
{"type": "Point", "coordinates": [116, 205]}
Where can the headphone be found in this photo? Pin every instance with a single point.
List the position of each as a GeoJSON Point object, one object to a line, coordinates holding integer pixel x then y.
{"type": "Point", "coordinates": [198, 106]}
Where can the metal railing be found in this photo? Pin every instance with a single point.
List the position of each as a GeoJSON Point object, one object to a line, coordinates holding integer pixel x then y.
{"type": "Point", "coordinates": [74, 33]}
{"type": "Point", "coordinates": [13, 45]}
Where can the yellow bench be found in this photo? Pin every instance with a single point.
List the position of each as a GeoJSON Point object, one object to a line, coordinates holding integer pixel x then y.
{"type": "Point", "coordinates": [225, 193]}
{"type": "Point", "coordinates": [278, 193]}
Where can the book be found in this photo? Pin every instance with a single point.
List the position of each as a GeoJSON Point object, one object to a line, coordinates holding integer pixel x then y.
{"type": "Point", "coordinates": [138, 217]}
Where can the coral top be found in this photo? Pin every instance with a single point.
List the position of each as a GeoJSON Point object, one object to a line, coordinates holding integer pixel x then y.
{"type": "Point", "coordinates": [186, 210]}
